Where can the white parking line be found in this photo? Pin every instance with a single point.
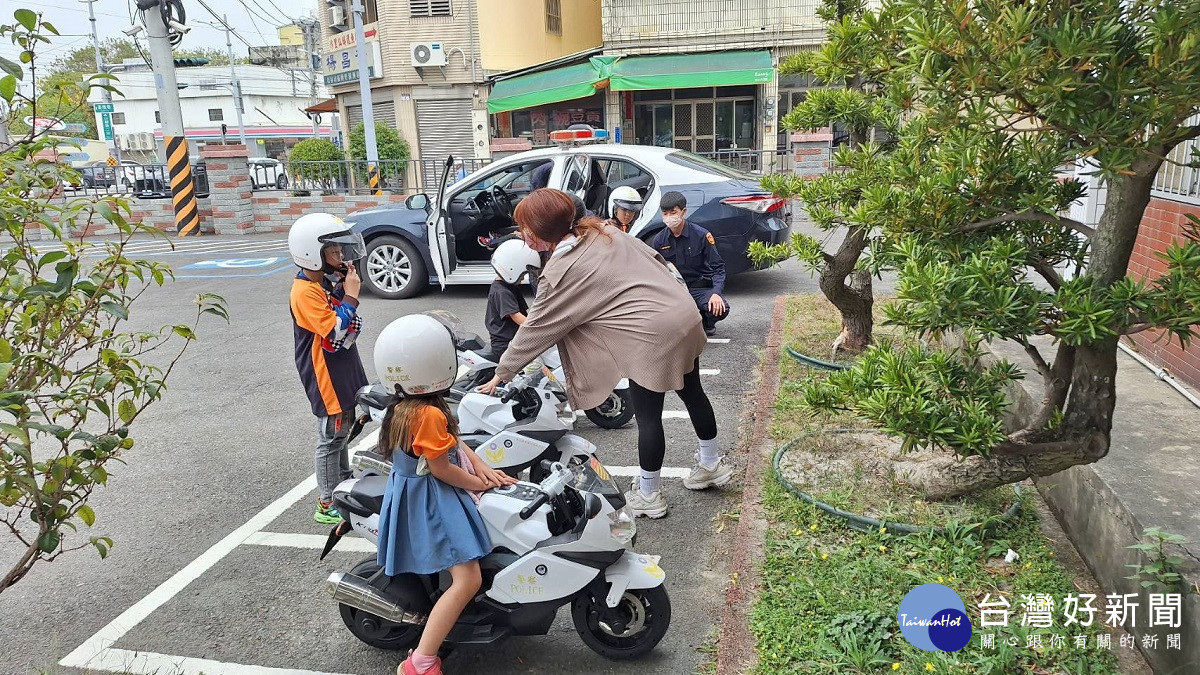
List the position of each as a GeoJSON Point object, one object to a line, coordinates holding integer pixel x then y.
{"type": "Point", "coordinates": [710, 371]}
{"type": "Point", "coordinates": [97, 653]}
{"type": "Point", "coordinates": [667, 472]}
{"type": "Point", "coordinates": [667, 415]}
{"type": "Point", "coordinates": [718, 341]}
{"type": "Point", "coordinates": [317, 541]}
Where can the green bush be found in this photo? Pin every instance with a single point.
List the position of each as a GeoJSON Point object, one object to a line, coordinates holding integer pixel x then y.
{"type": "Point", "coordinates": [317, 150]}
{"type": "Point", "coordinates": [394, 151]}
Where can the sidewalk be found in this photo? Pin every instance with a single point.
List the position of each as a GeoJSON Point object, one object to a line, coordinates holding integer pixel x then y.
{"type": "Point", "coordinates": [1150, 478]}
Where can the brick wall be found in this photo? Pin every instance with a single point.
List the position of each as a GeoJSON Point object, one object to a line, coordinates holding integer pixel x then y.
{"type": "Point", "coordinates": [233, 207]}
{"type": "Point", "coordinates": [1162, 223]}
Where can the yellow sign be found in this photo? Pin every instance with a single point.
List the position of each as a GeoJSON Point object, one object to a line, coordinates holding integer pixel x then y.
{"type": "Point", "coordinates": [112, 161]}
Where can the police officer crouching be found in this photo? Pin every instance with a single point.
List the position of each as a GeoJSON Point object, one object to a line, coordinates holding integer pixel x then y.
{"type": "Point", "coordinates": [693, 251]}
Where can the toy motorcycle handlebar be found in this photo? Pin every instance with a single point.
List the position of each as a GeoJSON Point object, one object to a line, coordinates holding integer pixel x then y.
{"type": "Point", "coordinates": [554, 484]}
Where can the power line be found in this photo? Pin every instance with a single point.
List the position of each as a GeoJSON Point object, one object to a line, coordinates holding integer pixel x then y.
{"type": "Point", "coordinates": [271, 18]}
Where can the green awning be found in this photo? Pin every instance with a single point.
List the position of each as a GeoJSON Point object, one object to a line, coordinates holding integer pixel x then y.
{"type": "Point", "coordinates": [682, 71]}
{"type": "Point", "coordinates": [551, 86]}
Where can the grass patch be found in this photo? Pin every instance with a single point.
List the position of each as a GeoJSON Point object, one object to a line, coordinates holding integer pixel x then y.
{"type": "Point", "coordinates": [830, 595]}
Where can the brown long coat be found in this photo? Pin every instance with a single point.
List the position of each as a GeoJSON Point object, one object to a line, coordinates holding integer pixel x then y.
{"type": "Point", "coordinates": [615, 311]}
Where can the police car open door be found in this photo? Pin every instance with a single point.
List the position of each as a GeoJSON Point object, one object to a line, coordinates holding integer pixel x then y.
{"type": "Point", "coordinates": [578, 176]}
{"type": "Point", "coordinates": [438, 230]}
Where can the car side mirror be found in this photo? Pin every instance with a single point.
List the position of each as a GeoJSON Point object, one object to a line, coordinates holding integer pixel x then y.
{"type": "Point", "coordinates": [417, 202]}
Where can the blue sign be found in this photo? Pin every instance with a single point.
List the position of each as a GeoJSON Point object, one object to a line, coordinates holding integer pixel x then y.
{"type": "Point", "coordinates": [617, 134]}
{"type": "Point", "coordinates": [232, 264]}
{"type": "Point", "coordinates": [75, 128]}
{"type": "Point", "coordinates": [345, 59]}
{"type": "Point", "coordinates": [78, 157]}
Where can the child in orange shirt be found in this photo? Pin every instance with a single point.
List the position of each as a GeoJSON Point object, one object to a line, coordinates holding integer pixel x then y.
{"type": "Point", "coordinates": [429, 522]}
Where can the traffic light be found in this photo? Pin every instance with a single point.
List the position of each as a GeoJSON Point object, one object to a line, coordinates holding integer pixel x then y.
{"type": "Point", "coordinates": [190, 63]}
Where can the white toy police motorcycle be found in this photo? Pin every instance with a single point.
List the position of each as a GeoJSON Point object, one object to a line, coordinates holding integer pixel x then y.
{"type": "Point", "coordinates": [558, 542]}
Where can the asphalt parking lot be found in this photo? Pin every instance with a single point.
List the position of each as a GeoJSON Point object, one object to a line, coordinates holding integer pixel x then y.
{"type": "Point", "coordinates": [215, 567]}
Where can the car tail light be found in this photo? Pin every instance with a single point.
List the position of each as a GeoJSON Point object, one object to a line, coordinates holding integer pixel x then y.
{"type": "Point", "coordinates": [756, 203]}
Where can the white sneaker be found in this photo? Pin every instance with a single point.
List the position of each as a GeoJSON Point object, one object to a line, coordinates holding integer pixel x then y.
{"type": "Point", "coordinates": [654, 506]}
{"type": "Point", "coordinates": [702, 478]}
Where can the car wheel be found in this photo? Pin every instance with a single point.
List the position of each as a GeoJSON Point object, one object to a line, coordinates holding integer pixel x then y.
{"type": "Point", "coordinates": [393, 268]}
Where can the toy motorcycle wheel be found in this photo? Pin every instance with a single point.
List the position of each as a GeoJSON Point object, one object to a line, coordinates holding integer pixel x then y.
{"type": "Point", "coordinates": [614, 413]}
{"type": "Point", "coordinates": [375, 630]}
{"type": "Point", "coordinates": [645, 613]}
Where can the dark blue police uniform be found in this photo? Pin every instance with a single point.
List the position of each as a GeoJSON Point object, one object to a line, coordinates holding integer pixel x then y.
{"type": "Point", "coordinates": [694, 254]}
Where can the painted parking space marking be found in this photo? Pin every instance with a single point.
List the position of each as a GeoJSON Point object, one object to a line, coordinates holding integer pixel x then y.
{"type": "Point", "coordinates": [718, 341]}
{"type": "Point", "coordinates": [710, 371]}
{"type": "Point", "coordinates": [97, 652]}
{"type": "Point", "coordinates": [232, 263]}
{"type": "Point", "coordinates": [162, 247]}
{"type": "Point", "coordinates": [317, 541]}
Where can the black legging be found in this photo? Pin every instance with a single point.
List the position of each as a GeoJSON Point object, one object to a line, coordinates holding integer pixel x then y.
{"type": "Point", "coordinates": [648, 408]}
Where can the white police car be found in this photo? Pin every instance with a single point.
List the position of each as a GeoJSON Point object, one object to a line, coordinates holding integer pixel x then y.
{"type": "Point", "coordinates": [412, 245]}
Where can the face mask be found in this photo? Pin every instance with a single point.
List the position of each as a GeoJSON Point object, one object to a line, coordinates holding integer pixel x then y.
{"type": "Point", "coordinates": [673, 221]}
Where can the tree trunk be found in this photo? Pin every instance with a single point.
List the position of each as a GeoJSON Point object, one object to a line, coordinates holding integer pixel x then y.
{"type": "Point", "coordinates": [854, 300]}
{"type": "Point", "coordinates": [1084, 436]}
{"type": "Point", "coordinates": [941, 475]}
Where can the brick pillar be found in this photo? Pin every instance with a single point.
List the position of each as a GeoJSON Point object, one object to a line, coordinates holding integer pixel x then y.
{"type": "Point", "coordinates": [229, 184]}
{"type": "Point", "coordinates": [813, 153]}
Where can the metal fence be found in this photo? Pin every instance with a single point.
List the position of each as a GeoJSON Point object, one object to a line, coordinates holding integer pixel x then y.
{"type": "Point", "coordinates": [350, 176]}
{"type": "Point", "coordinates": [1179, 177]}
{"type": "Point", "coordinates": [144, 181]}
{"type": "Point", "coordinates": [753, 161]}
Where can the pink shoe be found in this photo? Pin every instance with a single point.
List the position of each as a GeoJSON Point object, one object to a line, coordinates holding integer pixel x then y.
{"type": "Point", "coordinates": [407, 668]}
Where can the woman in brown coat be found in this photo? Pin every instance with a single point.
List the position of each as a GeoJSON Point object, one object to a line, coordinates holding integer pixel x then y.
{"type": "Point", "coordinates": [614, 309]}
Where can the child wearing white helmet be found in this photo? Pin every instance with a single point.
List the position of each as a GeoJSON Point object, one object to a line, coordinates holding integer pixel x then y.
{"type": "Point", "coordinates": [325, 322]}
{"type": "Point", "coordinates": [429, 522]}
{"type": "Point", "coordinates": [507, 308]}
{"type": "Point", "coordinates": [624, 206]}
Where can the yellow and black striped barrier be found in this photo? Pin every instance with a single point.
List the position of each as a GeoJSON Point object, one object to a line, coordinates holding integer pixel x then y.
{"type": "Point", "coordinates": [375, 180]}
{"type": "Point", "coordinates": [183, 188]}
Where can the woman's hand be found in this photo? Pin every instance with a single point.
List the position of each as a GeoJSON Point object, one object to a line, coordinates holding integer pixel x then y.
{"type": "Point", "coordinates": [489, 387]}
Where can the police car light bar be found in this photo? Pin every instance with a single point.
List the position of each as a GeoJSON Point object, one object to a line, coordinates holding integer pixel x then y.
{"type": "Point", "coordinates": [579, 136]}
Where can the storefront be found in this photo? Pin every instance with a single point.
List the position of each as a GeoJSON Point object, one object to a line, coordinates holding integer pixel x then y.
{"type": "Point", "coordinates": [536, 123]}
{"type": "Point", "coordinates": [702, 102]}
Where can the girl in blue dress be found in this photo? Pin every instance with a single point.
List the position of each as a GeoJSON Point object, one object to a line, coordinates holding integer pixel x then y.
{"type": "Point", "coordinates": [429, 522]}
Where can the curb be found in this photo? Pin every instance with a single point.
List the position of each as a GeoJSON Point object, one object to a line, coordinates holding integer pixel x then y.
{"type": "Point", "coordinates": [735, 647]}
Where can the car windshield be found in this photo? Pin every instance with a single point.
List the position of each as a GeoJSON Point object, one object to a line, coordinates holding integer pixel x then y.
{"type": "Point", "coordinates": [591, 476]}
{"type": "Point", "coordinates": [698, 163]}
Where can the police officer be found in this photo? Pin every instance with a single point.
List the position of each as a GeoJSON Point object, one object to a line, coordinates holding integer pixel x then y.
{"type": "Point", "coordinates": [693, 251]}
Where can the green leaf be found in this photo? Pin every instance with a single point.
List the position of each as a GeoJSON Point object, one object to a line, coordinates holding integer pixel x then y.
{"type": "Point", "coordinates": [8, 87]}
{"type": "Point", "coordinates": [87, 515]}
{"type": "Point", "coordinates": [50, 28]}
{"type": "Point", "coordinates": [126, 409]}
{"type": "Point", "coordinates": [51, 257]}
{"type": "Point", "coordinates": [11, 68]}
{"type": "Point", "coordinates": [49, 541]}
{"type": "Point", "coordinates": [117, 310]}
{"type": "Point", "coordinates": [26, 17]}
{"type": "Point", "coordinates": [185, 332]}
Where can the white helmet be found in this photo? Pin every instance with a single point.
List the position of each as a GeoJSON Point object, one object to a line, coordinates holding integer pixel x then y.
{"type": "Point", "coordinates": [310, 234]}
{"type": "Point", "coordinates": [626, 198]}
{"type": "Point", "coordinates": [513, 259]}
{"type": "Point", "coordinates": [416, 352]}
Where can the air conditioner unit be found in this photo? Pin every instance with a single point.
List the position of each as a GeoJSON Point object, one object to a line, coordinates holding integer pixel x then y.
{"type": "Point", "coordinates": [142, 141]}
{"type": "Point", "coordinates": [337, 17]}
{"type": "Point", "coordinates": [123, 142]}
{"type": "Point", "coordinates": [428, 54]}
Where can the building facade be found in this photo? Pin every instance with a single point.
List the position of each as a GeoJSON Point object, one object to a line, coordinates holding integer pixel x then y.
{"type": "Point", "coordinates": [273, 103]}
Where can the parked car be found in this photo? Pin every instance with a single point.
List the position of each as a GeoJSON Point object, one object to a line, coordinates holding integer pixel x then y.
{"type": "Point", "coordinates": [267, 172]}
{"type": "Point", "coordinates": [412, 245]}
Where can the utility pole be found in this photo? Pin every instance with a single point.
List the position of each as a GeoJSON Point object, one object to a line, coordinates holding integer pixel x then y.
{"type": "Point", "coordinates": [311, 29]}
{"type": "Point", "coordinates": [234, 84]}
{"type": "Point", "coordinates": [364, 90]}
{"type": "Point", "coordinates": [114, 148]}
{"type": "Point", "coordinates": [183, 188]}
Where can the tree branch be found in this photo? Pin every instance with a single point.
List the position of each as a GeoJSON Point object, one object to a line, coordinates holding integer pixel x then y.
{"type": "Point", "coordinates": [1039, 362]}
{"type": "Point", "coordinates": [1030, 216]}
{"type": "Point", "coordinates": [1136, 328]}
{"type": "Point", "coordinates": [1048, 273]}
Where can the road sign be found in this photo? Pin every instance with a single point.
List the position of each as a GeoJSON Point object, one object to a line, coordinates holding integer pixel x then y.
{"type": "Point", "coordinates": [75, 128]}
{"type": "Point", "coordinates": [77, 157]}
{"type": "Point", "coordinates": [104, 107]}
{"type": "Point", "coordinates": [112, 161]}
{"type": "Point", "coordinates": [106, 121]}
{"type": "Point", "coordinates": [47, 123]}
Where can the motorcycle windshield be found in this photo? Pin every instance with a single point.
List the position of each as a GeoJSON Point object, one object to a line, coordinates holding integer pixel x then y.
{"type": "Point", "coordinates": [591, 476]}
